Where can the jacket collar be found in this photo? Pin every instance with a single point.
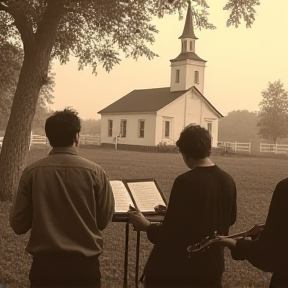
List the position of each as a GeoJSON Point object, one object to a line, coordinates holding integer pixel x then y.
{"type": "Point", "coordinates": [64, 150]}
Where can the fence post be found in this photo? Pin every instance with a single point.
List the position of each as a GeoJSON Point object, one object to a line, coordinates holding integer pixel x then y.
{"type": "Point", "coordinates": [250, 147]}
{"type": "Point", "coordinates": [116, 140]}
{"type": "Point", "coordinates": [276, 148]}
{"type": "Point", "coordinates": [235, 147]}
{"type": "Point", "coordinates": [30, 142]}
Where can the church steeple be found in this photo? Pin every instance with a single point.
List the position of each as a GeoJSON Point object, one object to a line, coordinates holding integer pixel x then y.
{"type": "Point", "coordinates": [187, 69]}
{"type": "Point", "coordinates": [188, 31]}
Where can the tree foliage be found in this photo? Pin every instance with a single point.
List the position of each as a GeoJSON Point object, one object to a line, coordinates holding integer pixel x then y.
{"type": "Point", "coordinates": [90, 126]}
{"type": "Point", "coordinates": [273, 116]}
{"type": "Point", "coordinates": [240, 125]}
{"type": "Point", "coordinates": [96, 30]}
{"type": "Point", "coordinates": [241, 9]}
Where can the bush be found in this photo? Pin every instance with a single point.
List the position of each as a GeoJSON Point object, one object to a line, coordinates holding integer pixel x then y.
{"type": "Point", "coordinates": [167, 148]}
{"type": "Point", "coordinates": [218, 151]}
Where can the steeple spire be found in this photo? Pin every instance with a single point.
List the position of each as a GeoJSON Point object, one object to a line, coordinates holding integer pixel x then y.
{"type": "Point", "coordinates": [188, 31]}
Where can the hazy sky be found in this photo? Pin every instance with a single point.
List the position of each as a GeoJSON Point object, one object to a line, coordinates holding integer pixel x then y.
{"type": "Point", "coordinates": [240, 63]}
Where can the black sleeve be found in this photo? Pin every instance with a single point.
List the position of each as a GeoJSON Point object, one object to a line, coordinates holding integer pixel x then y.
{"type": "Point", "coordinates": [265, 252]}
{"type": "Point", "coordinates": [234, 206]}
{"type": "Point", "coordinates": [154, 231]}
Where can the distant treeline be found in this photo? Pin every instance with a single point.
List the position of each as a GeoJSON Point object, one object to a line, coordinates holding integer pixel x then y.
{"type": "Point", "coordinates": [88, 126]}
{"type": "Point", "coordinates": [241, 126]}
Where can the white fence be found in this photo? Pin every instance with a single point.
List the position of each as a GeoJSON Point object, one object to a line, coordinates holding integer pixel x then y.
{"type": "Point", "coordinates": [274, 148]}
{"type": "Point", "coordinates": [235, 147]}
{"type": "Point", "coordinates": [90, 140]}
{"type": "Point", "coordinates": [38, 140]}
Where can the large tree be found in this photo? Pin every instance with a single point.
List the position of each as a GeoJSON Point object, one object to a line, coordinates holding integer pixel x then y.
{"type": "Point", "coordinates": [92, 30]}
{"type": "Point", "coordinates": [11, 58]}
{"type": "Point", "coordinates": [273, 115]}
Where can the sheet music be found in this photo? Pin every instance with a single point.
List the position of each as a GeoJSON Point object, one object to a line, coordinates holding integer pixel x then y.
{"type": "Point", "coordinates": [121, 196]}
{"type": "Point", "coordinates": [146, 195]}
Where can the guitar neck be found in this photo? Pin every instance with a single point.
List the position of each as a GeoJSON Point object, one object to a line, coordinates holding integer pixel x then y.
{"type": "Point", "coordinates": [237, 235]}
{"type": "Point", "coordinates": [243, 234]}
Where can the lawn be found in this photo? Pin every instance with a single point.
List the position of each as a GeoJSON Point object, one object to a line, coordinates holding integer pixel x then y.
{"type": "Point", "coordinates": [255, 179]}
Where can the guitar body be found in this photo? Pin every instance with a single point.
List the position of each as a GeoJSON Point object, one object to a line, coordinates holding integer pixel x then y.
{"type": "Point", "coordinates": [205, 243]}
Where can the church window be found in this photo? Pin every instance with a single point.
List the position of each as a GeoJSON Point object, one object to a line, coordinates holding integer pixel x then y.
{"type": "Point", "coordinates": [196, 77]}
{"type": "Point", "coordinates": [209, 127]}
{"type": "Point", "coordinates": [177, 80]}
{"type": "Point", "coordinates": [191, 45]}
{"type": "Point", "coordinates": [123, 127]}
{"type": "Point", "coordinates": [167, 129]}
{"type": "Point", "coordinates": [110, 128]}
{"type": "Point", "coordinates": [141, 126]}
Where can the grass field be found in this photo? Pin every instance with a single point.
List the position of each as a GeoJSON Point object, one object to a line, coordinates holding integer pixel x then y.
{"type": "Point", "coordinates": [255, 179]}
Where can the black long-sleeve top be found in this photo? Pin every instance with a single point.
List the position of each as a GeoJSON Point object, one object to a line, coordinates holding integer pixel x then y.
{"type": "Point", "coordinates": [202, 200]}
{"type": "Point", "coordinates": [270, 251]}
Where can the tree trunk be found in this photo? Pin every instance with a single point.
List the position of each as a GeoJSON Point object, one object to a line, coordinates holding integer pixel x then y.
{"type": "Point", "coordinates": [33, 74]}
{"type": "Point", "coordinates": [16, 141]}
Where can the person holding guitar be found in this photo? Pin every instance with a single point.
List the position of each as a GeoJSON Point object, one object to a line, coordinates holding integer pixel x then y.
{"type": "Point", "coordinates": [269, 252]}
{"type": "Point", "coordinates": [202, 200]}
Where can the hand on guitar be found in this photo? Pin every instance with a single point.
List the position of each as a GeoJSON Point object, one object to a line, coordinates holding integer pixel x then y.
{"type": "Point", "coordinates": [226, 241]}
{"type": "Point", "coordinates": [160, 209]}
{"type": "Point", "coordinates": [256, 231]}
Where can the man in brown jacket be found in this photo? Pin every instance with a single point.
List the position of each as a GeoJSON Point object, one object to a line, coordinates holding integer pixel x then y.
{"type": "Point", "coordinates": [66, 201]}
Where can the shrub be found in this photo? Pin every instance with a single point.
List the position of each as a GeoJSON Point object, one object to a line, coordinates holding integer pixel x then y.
{"type": "Point", "coordinates": [167, 148]}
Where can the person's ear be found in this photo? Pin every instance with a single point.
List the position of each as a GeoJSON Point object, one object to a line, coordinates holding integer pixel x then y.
{"type": "Point", "coordinates": [77, 140]}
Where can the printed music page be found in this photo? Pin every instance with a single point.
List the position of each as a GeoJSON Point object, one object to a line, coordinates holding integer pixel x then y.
{"type": "Point", "coordinates": [146, 195]}
{"type": "Point", "coordinates": [121, 196]}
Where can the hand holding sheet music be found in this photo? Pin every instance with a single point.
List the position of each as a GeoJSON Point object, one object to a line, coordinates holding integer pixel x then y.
{"type": "Point", "coordinates": [146, 195]}
{"type": "Point", "coordinates": [139, 221]}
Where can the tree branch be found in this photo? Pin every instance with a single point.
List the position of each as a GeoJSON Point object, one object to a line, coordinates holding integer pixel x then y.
{"type": "Point", "coordinates": [20, 21]}
{"type": "Point", "coordinates": [72, 10]}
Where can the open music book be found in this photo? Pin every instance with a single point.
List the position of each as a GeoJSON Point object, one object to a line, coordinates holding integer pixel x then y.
{"type": "Point", "coordinates": [142, 194]}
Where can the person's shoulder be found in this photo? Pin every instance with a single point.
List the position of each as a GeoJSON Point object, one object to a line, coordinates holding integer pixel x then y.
{"type": "Point", "coordinates": [35, 164]}
{"type": "Point", "coordinates": [90, 165]}
{"type": "Point", "coordinates": [282, 185]}
{"type": "Point", "coordinates": [223, 172]}
{"type": "Point", "coordinates": [184, 175]}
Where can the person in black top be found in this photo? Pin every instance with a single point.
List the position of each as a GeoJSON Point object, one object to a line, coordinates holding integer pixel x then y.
{"type": "Point", "coordinates": [202, 201]}
{"type": "Point", "coordinates": [269, 252]}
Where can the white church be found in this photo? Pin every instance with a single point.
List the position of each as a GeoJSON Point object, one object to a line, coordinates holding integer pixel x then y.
{"type": "Point", "coordinates": [148, 117]}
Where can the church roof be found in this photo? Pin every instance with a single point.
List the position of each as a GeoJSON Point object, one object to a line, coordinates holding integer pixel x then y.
{"type": "Point", "coordinates": [149, 100]}
{"type": "Point", "coordinates": [188, 31]}
{"type": "Point", "coordinates": [207, 102]}
{"type": "Point", "coordinates": [144, 100]}
{"type": "Point", "coordinates": [187, 55]}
